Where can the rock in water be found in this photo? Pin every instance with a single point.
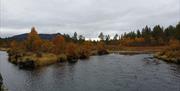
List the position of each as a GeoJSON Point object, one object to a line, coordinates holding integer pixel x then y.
{"type": "Point", "coordinates": [2, 88]}
{"type": "Point", "coordinates": [1, 83]}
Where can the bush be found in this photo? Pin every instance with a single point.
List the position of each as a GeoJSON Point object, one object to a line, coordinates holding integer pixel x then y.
{"type": "Point", "coordinates": [174, 45]}
{"type": "Point", "coordinates": [62, 58]}
{"type": "Point", "coordinates": [72, 50]}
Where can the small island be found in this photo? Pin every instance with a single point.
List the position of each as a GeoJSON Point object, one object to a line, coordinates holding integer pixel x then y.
{"type": "Point", "coordinates": [34, 51]}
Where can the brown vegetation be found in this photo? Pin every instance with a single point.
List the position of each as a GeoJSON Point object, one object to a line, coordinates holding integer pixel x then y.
{"type": "Point", "coordinates": [65, 48]}
{"type": "Point", "coordinates": [172, 53]}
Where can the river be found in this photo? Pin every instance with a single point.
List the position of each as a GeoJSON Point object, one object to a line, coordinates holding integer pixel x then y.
{"type": "Point", "coordinates": [111, 72]}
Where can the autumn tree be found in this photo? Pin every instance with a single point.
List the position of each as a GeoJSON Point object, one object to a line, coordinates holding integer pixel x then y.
{"type": "Point", "coordinates": [47, 46]}
{"type": "Point", "coordinates": [101, 48]}
{"type": "Point", "coordinates": [34, 42]}
{"type": "Point", "coordinates": [14, 46]}
{"type": "Point", "coordinates": [72, 51]}
{"type": "Point", "coordinates": [85, 49]}
{"type": "Point", "coordinates": [59, 43]}
{"type": "Point", "coordinates": [174, 44]}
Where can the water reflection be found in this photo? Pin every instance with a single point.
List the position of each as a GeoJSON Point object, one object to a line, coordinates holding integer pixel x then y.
{"type": "Point", "coordinates": [99, 73]}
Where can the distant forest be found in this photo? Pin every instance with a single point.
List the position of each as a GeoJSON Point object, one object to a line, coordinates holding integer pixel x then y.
{"type": "Point", "coordinates": [156, 36]}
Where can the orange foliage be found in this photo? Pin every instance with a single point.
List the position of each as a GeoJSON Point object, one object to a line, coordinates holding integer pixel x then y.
{"type": "Point", "coordinates": [34, 42]}
{"type": "Point", "coordinates": [132, 41]}
{"type": "Point", "coordinates": [85, 50]}
{"type": "Point", "coordinates": [59, 43]}
{"type": "Point", "coordinates": [13, 45]}
{"type": "Point", "coordinates": [72, 50]}
{"type": "Point", "coordinates": [140, 40]}
{"type": "Point", "coordinates": [47, 46]}
{"type": "Point", "coordinates": [174, 44]}
{"type": "Point", "coordinates": [100, 46]}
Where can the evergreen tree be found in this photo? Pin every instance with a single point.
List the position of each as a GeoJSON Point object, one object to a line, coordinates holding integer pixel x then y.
{"type": "Point", "coordinates": [75, 36]}
{"type": "Point", "coordinates": [115, 37]}
{"type": "Point", "coordinates": [101, 36]}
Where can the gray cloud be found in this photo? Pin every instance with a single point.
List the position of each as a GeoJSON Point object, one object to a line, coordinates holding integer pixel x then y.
{"type": "Point", "coordinates": [87, 17]}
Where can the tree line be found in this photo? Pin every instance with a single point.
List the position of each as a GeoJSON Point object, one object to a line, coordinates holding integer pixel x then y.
{"type": "Point", "coordinates": [155, 36]}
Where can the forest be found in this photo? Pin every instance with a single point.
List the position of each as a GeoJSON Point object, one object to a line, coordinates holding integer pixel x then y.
{"type": "Point", "coordinates": [35, 51]}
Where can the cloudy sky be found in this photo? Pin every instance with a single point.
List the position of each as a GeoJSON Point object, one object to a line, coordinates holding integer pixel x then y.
{"type": "Point", "coordinates": [87, 17]}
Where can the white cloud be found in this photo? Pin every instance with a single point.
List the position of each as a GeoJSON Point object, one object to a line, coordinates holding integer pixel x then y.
{"type": "Point", "coordinates": [88, 17]}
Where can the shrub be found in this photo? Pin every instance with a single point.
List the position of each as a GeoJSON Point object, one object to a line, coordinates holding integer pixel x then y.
{"type": "Point", "coordinates": [72, 51]}
{"type": "Point", "coordinates": [62, 58]}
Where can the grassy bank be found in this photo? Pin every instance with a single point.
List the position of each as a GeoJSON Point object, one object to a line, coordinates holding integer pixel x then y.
{"type": "Point", "coordinates": [4, 49]}
{"type": "Point", "coordinates": [138, 48]}
{"type": "Point", "coordinates": [33, 60]}
{"type": "Point", "coordinates": [125, 50]}
{"type": "Point", "coordinates": [172, 53]}
{"type": "Point", "coordinates": [169, 56]}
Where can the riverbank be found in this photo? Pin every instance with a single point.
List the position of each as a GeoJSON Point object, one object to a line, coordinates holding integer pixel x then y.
{"type": "Point", "coordinates": [26, 60]}
{"type": "Point", "coordinates": [138, 50]}
{"type": "Point", "coordinates": [4, 49]}
{"type": "Point", "coordinates": [171, 56]}
{"type": "Point", "coordinates": [131, 52]}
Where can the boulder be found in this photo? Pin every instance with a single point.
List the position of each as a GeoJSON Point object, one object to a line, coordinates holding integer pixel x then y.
{"type": "Point", "coordinates": [27, 65]}
{"type": "Point", "coordinates": [1, 81]}
{"type": "Point", "coordinates": [102, 52]}
{"type": "Point", "coordinates": [72, 59]}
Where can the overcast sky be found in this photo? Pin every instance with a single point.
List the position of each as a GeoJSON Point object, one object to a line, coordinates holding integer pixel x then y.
{"type": "Point", "coordinates": [87, 17]}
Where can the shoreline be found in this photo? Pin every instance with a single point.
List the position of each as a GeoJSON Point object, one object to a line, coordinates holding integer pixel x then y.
{"type": "Point", "coordinates": [132, 52]}
{"type": "Point", "coordinates": [31, 60]}
{"type": "Point", "coordinates": [166, 58]}
{"type": "Point", "coordinates": [52, 58]}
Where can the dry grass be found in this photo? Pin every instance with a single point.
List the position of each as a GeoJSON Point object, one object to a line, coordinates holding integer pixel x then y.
{"type": "Point", "coordinates": [45, 59]}
{"type": "Point", "coordinates": [62, 58]}
{"type": "Point", "coordinates": [136, 48]}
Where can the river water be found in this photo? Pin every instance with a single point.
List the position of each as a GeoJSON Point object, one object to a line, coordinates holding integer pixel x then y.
{"type": "Point", "coordinates": [111, 72]}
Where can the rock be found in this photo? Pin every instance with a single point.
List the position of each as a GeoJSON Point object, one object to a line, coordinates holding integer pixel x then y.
{"type": "Point", "coordinates": [1, 81]}
{"type": "Point", "coordinates": [83, 56]}
{"type": "Point", "coordinates": [29, 64]}
{"type": "Point", "coordinates": [72, 59]}
{"type": "Point", "coordinates": [103, 52]}
{"type": "Point", "coordinates": [2, 88]}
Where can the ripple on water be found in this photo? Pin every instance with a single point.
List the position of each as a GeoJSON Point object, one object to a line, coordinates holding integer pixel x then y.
{"type": "Point", "coordinates": [99, 73]}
